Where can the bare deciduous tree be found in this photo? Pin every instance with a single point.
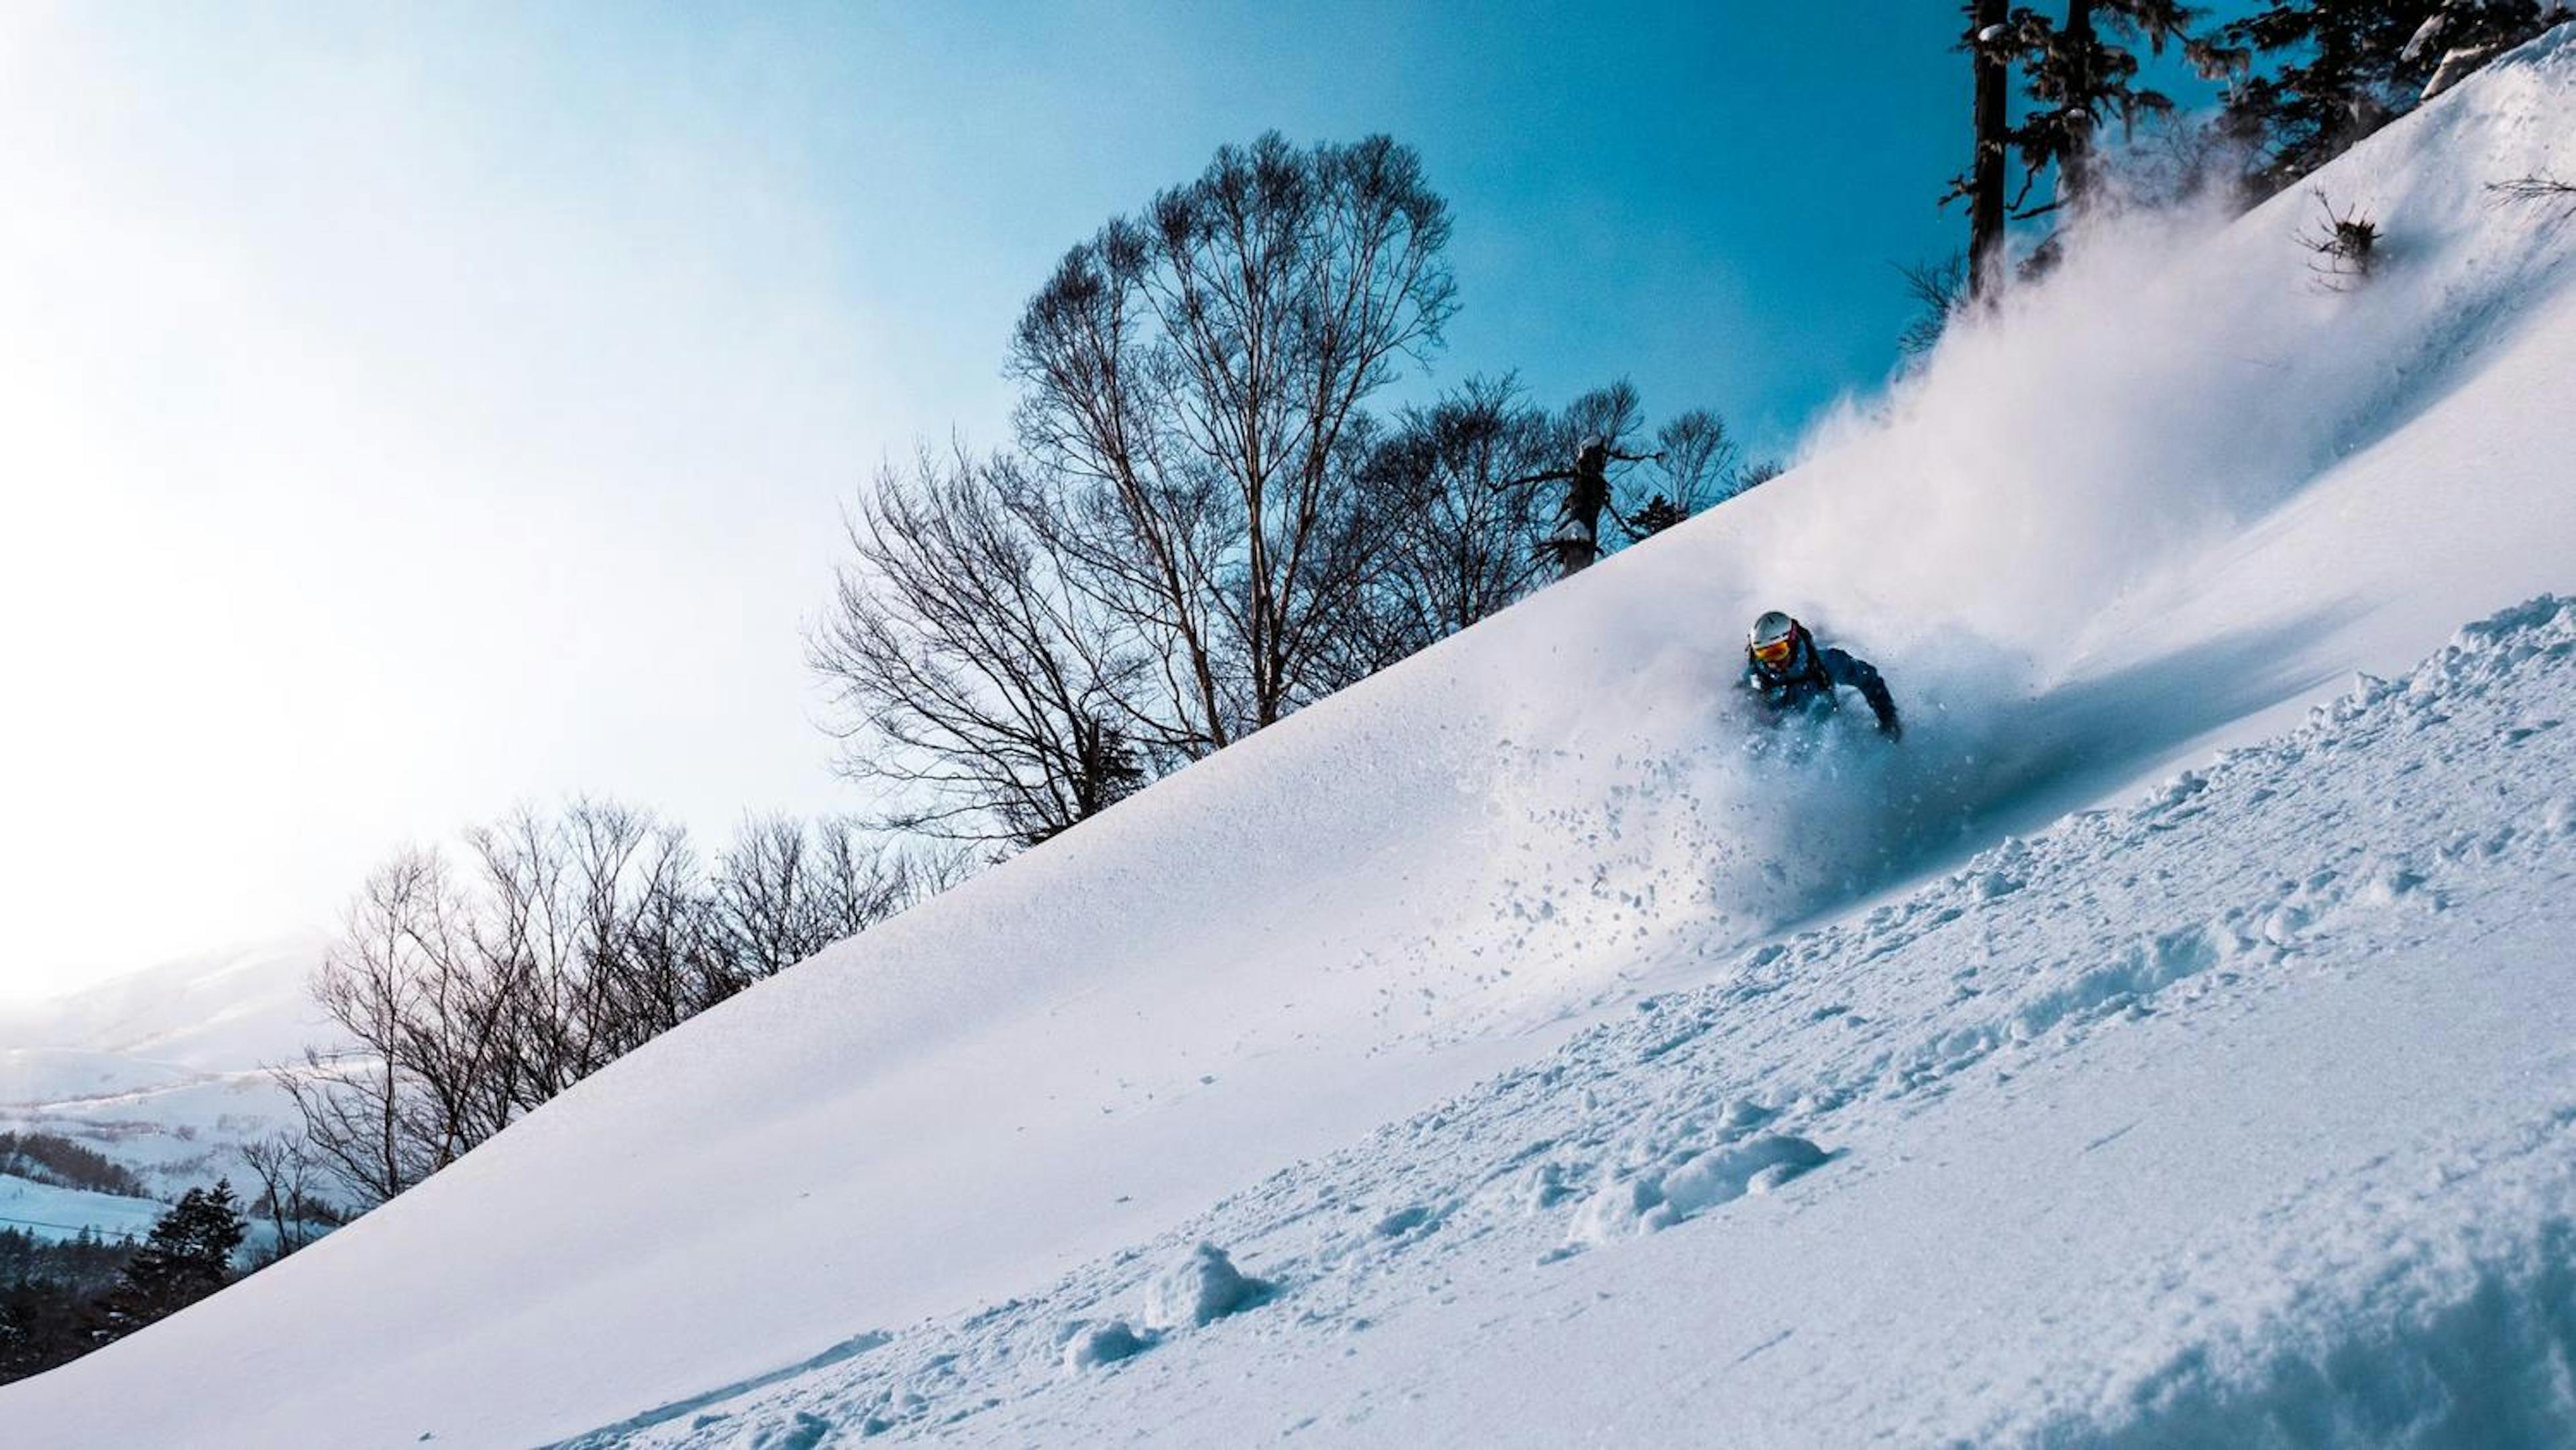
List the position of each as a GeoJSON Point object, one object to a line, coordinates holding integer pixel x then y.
{"type": "Point", "coordinates": [1939, 290]}
{"type": "Point", "coordinates": [1194, 378]}
{"type": "Point", "coordinates": [989, 693]}
{"type": "Point", "coordinates": [1694, 464]}
{"type": "Point", "coordinates": [1613, 414]}
{"type": "Point", "coordinates": [1462, 517]}
{"type": "Point", "coordinates": [360, 1106]}
{"type": "Point", "coordinates": [1757, 473]}
{"type": "Point", "coordinates": [287, 1170]}
{"type": "Point", "coordinates": [786, 890]}
{"type": "Point", "coordinates": [1203, 528]}
{"type": "Point", "coordinates": [580, 938]}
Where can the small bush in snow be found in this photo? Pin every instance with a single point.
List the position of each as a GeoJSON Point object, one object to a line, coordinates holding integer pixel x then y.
{"type": "Point", "coordinates": [2346, 244]}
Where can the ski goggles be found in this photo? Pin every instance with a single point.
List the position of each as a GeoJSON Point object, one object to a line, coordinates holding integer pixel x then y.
{"type": "Point", "coordinates": [1777, 651]}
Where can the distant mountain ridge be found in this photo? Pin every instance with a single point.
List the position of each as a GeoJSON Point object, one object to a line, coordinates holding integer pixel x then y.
{"type": "Point", "coordinates": [164, 1070]}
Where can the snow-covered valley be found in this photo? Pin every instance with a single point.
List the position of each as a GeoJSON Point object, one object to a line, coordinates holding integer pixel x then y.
{"type": "Point", "coordinates": [164, 1072]}
{"type": "Point", "coordinates": [1556, 1069]}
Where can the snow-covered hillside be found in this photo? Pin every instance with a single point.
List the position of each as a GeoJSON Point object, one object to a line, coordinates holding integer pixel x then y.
{"type": "Point", "coordinates": [164, 1070]}
{"type": "Point", "coordinates": [56, 1213]}
{"type": "Point", "coordinates": [2244, 1113]}
{"type": "Point", "coordinates": [1430, 1005]}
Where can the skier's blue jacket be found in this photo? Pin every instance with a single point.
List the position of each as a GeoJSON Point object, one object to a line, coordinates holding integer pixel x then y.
{"type": "Point", "coordinates": [1806, 685]}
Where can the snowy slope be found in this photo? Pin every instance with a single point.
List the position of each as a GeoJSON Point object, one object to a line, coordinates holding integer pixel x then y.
{"type": "Point", "coordinates": [52, 1212]}
{"type": "Point", "coordinates": [164, 1070]}
{"type": "Point", "coordinates": [2247, 1109]}
{"type": "Point", "coordinates": [2177, 496]}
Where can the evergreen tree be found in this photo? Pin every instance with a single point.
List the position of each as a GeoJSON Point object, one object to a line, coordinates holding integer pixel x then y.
{"type": "Point", "coordinates": [2462, 35]}
{"type": "Point", "coordinates": [1656, 515]}
{"type": "Point", "coordinates": [2078, 72]}
{"type": "Point", "coordinates": [2084, 71]}
{"type": "Point", "coordinates": [1989, 47]}
{"type": "Point", "coordinates": [188, 1257]}
{"type": "Point", "coordinates": [2350, 66]}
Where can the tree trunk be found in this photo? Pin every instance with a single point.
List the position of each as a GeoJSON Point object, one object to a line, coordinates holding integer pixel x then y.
{"type": "Point", "coordinates": [1986, 183]}
{"type": "Point", "coordinates": [2075, 168]}
{"type": "Point", "coordinates": [1578, 542]}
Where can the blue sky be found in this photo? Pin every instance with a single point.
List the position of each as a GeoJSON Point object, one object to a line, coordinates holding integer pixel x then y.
{"type": "Point", "coordinates": [1704, 197]}
{"type": "Point", "coordinates": [406, 414]}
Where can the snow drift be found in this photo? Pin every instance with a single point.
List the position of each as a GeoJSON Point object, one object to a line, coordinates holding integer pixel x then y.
{"type": "Point", "coordinates": [2158, 507]}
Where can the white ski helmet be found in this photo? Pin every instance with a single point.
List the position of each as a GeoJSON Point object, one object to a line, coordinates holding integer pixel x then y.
{"type": "Point", "coordinates": [1774, 639]}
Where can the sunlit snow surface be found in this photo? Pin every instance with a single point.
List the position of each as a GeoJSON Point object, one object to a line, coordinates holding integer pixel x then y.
{"type": "Point", "coordinates": [2245, 1110]}
{"type": "Point", "coordinates": [2039, 1142]}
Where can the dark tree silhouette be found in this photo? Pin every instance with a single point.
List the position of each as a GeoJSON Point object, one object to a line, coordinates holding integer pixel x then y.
{"type": "Point", "coordinates": [2347, 67]}
{"type": "Point", "coordinates": [1193, 381]}
{"type": "Point", "coordinates": [1939, 290]}
{"type": "Point", "coordinates": [991, 690]}
{"type": "Point", "coordinates": [1988, 42]}
{"type": "Point", "coordinates": [188, 1257]}
{"type": "Point", "coordinates": [1461, 518]}
{"type": "Point", "coordinates": [2082, 72]}
{"type": "Point", "coordinates": [471, 999]}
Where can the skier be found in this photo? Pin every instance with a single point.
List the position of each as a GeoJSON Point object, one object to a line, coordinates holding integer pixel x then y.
{"type": "Point", "coordinates": [1790, 674]}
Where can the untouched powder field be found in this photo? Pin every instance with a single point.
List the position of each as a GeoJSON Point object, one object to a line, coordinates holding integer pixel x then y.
{"type": "Point", "coordinates": [1553, 1067]}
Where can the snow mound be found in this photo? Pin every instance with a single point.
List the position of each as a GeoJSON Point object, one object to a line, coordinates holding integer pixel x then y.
{"type": "Point", "coordinates": [1089, 1346]}
{"type": "Point", "coordinates": [1661, 1197]}
{"type": "Point", "coordinates": [1202, 1288]}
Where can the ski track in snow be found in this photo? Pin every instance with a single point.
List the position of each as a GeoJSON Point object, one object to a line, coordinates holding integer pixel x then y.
{"type": "Point", "coordinates": [2403, 821]}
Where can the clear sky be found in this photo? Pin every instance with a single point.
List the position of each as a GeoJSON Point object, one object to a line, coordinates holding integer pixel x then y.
{"type": "Point", "coordinates": [406, 415]}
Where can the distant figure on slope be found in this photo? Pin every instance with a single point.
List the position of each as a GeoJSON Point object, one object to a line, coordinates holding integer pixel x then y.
{"type": "Point", "coordinates": [1791, 675]}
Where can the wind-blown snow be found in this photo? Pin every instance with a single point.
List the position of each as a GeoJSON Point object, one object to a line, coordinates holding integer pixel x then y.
{"type": "Point", "coordinates": [1641, 1160]}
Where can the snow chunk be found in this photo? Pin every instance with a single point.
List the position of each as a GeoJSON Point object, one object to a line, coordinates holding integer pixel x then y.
{"type": "Point", "coordinates": [1744, 1115]}
{"type": "Point", "coordinates": [2558, 818]}
{"type": "Point", "coordinates": [1093, 1345]}
{"type": "Point", "coordinates": [1659, 1199]}
{"type": "Point", "coordinates": [1991, 885]}
{"type": "Point", "coordinates": [2388, 885]}
{"type": "Point", "coordinates": [1200, 1289]}
{"type": "Point", "coordinates": [1729, 1173]}
{"type": "Point", "coordinates": [1403, 1221]}
{"type": "Point", "coordinates": [803, 1431]}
